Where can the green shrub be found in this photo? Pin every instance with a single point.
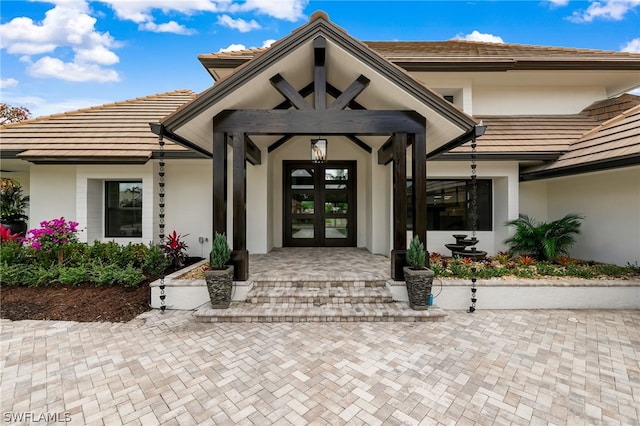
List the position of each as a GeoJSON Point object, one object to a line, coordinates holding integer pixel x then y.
{"type": "Point", "coordinates": [581, 271]}
{"type": "Point", "coordinates": [23, 274]}
{"type": "Point", "coordinates": [416, 255]}
{"type": "Point", "coordinates": [13, 253]}
{"type": "Point", "coordinates": [76, 254]}
{"type": "Point", "coordinates": [131, 276]}
{"type": "Point", "coordinates": [544, 241]}
{"type": "Point", "coordinates": [220, 252]}
{"type": "Point", "coordinates": [155, 262]}
{"type": "Point", "coordinates": [73, 275]}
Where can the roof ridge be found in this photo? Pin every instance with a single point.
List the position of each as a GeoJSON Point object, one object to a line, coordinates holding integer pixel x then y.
{"type": "Point", "coordinates": [96, 107]}
{"type": "Point", "coordinates": [609, 122]}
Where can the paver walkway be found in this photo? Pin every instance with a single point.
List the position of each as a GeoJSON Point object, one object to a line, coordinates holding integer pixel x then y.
{"type": "Point", "coordinates": [491, 367]}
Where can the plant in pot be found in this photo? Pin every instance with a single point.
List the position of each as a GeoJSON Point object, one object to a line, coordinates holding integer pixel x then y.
{"type": "Point", "coordinates": [13, 205]}
{"type": "Point", "coordinates": [418, 278]}
{"type": "Point", "coordinates": [219, 276]}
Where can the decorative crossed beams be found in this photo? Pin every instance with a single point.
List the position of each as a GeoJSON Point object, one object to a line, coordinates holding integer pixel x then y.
{"type": "Point", "coordinates": [320, 87]}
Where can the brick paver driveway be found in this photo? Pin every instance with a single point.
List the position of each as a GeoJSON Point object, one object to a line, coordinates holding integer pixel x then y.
{"type": "Point", "coordinates": [492, 367]}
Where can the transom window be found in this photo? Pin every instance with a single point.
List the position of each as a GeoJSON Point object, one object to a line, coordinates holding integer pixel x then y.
{"type": "Point", "coordinates": [123, 213]}
{"type": "Point", "coordinates": [449, 205]}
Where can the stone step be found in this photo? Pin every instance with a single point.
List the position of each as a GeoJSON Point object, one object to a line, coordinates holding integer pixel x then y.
{"type": "Point", "coordinates": [319, 295]}
{"type": "Point", "coordinates": [306, 283]}
{"type": "Point", "coordinates": [347, 312]}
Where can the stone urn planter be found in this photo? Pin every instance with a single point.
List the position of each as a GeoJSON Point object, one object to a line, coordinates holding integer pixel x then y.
{"type": "Point", "coordinates": [219, 285]}
{"type": "Point", "coordinates": [219, 276]}
{"type": "Point", "coordinates": [418, 278]}
{"type": "Point", "coordinates": [419, 282]}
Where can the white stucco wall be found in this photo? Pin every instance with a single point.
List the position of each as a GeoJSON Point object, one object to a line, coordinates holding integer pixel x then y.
{"type": "Point", "coordinates": [53, 194]}
{"type": "Point", "coordinates": [610, 202]}
{"type": "Point", "coordinates": [533, 199]}
{"type": "Point", "coordinates": [189, 203]}
{"type": "Point", "coordinates": [508, 100]}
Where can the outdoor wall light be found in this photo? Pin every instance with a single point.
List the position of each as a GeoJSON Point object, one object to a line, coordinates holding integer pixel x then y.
{"type": "Point", "coordinates": [480, 129]}
{"type": "Point", "coordinates": [318, 150]}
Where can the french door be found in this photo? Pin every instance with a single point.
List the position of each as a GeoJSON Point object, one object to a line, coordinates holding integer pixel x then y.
{"type": "Point", "coordinates": [319, 204]}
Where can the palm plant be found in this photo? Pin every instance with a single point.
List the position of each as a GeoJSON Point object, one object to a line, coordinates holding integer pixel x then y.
{"type": "Point", "coordinates": [546, 240]}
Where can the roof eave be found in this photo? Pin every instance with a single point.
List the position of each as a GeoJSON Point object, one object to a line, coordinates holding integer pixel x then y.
{"type": "Point", "coordinates": [595, 166]}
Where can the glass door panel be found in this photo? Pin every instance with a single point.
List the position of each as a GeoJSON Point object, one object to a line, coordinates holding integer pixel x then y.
{"type": "Point", "coordinates": [319, 204]}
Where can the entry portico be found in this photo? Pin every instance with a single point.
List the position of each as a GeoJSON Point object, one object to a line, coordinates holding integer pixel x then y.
{"type": "Point", "coordinates": [318, 81]}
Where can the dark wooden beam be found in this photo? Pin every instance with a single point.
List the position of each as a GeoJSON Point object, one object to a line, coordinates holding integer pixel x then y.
{"type": "Point", "coordinates": [335, 92]}
{"type": "Point", "coordinates": [219, 182]}
{"type": "Point", "coordinates": [385, 152]}
{"type": "Point", "coordinates": [279, 142]}
{"type": "Point", "coordinates": [254, 155]}
{"type": "Point", "coordinates": [350, 93]}
{"type": "Point", "coordinates": [304, 92]}
{"type": "Point", "coordinates": [419, 187]}
{"type": "Point", "coordinates": [320, 73]}
{"type": "Point", "coordinates": [281, 122]}
{"type": "Point", "coordinates": [360, 143]}
{"type": "Point", "coordinates": [398, 254]}
{"type": "Point", "coordinates": [240, 256]}
{"type": "Point", "coordinates": [291, 94]}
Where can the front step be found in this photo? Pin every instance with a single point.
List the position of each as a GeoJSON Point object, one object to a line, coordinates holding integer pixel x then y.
{"type": "Point", "coordinates": [319, 293]}
{"type": "Point", "coordinates": [319, 301]}
{"type": "Point", "coordinates": [348, 312]}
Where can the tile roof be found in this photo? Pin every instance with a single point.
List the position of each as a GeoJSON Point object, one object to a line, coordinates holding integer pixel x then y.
{"type": "Point", "coordinates": [615, 140]}
{"type": "Point", "coordinates": [529, 133]}
{"type": "Point", "coordinates": [609, 108]}
{"type": "Point", "coordinates": [505, 55]}
{"type": "Point", "coordinates": [108, 132]}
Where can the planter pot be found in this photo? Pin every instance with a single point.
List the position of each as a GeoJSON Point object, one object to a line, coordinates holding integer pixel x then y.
{"type": "Point", "coordinates": [16, 227]}
{"type": "Point", "coordinates": [219, 285]}
{"type": "Point", "coordinates": [419, 283]}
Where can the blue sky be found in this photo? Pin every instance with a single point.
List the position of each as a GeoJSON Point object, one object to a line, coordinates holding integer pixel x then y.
{"type": "Point", "coordinates": [61, 55]}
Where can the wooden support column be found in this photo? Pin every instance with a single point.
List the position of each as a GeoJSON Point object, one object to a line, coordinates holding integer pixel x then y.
{"type": "Point", "coordinates": [419, 187]}
{"type": "Point", "coordinates": [319, 73]}
{"type": "Point", "coordinates": [239, 255]}
{"type": "Point", "coordinates": [399, 252]}
{"type": "Point", "coordinates": [219, 182]}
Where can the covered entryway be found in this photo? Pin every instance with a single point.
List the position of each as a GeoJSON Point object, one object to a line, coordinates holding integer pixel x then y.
{"type": "Point", "coordinates": [319, 204]}
{"type": "Point", "coordinates": [318, 82]}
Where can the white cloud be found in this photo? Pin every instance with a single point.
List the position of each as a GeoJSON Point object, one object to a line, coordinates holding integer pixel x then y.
{"type": "Point", "coordinates": [606, 9]}
{"type": "Point", "coordinates": [633, 46]}
{"type": "Point", "coordinates": [290, 10]}
{"type": "Point", "coordinates": [48, 67]}
{"type": "Point", "coordinates": [8, 82]}
{"type": "Point", "coordinates": [635, 92]}
{"type": "Point", "coordinates": [237, 46]}
{"type": "Point", "coordinates": [238, 24]}
{"type": "Point", "coordinates": [558, 3]}
{"type": "Point", "coordinates": [232, 48]}
{"type": "Point", "coordinates": [141, 12]}
{"type": "Point", "coordinates": [168, 27]}
{"type": "Point", "coordinates": [475, 35]}
{"type": "Point", "coordinates": [67, 25]}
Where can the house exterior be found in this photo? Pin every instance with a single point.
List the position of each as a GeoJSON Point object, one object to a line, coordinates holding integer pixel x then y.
{"type": "Point", "coordinates": [399, 119]}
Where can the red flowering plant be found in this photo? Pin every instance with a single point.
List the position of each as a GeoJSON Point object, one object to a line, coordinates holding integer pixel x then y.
{"type": "Point", "coordinates": [52, 237]}
{"type": "Point", "coordinates": [6, 236]}
{"type": "Point", "coordinates": [175, 249]}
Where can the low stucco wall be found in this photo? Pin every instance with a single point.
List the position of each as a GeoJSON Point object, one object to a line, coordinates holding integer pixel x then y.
{"type": "Point", "coordinates": [538, 294]}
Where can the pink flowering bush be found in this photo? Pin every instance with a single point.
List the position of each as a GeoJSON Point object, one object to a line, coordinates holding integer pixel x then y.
{"type": "Point", "coordinates": [52, 236]}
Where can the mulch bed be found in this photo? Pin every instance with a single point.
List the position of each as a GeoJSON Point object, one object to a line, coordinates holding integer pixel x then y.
{"type": "Point", "coordinates": [84, 303]}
